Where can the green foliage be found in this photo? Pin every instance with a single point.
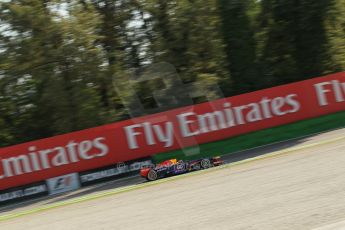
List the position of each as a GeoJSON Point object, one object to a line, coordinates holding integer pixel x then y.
{"type": "Point", "coordinates": [51, 72]}
{"type": "Point", "coordinates": [298, 44]}
{"type": "Point", "coordinates": [65, 65]}
{"type": "Point", "coordinates": [239, 35]}
{"type": "Point", "coordinates": [335, 26]}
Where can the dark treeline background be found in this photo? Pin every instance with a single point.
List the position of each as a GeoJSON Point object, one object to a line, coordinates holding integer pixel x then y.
{"type": "Point", "coordinates": [60, 59]}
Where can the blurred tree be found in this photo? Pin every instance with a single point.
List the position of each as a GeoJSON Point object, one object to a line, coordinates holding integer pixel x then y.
{"type": "Point", "coordinates": [239, 35]}
{"type": "Point", "coordinates": [335, 26]}
{"type": "Point", "coordinates": [278, 22]}
{"type": "Point", "coordinates": [313, 56]}
{"type": "Point", "coordinates": [113, 15]}
{"type": "Point", "coordinates": [125, 39]}
{"type": "Point", "coordinates": [50, 67]}
{"type": "Point", "coordinates": [187, 34]}
{"type": "Point", "coordinates": [65, 63]}
{"type": "Point", "coordinates": [297, 41]}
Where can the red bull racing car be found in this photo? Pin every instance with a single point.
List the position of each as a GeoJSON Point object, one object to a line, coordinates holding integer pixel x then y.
{"type": "Point", "coordinates": [173, 167]}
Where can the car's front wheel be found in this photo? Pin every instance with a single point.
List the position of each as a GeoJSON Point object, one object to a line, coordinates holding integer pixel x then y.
{"type": "Point", "coordinates": [152, 175]}
{"type": "Point", "coordinates": [205, 163]}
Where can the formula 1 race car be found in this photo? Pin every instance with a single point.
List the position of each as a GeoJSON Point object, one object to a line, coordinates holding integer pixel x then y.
{"type": "Point", "coordinates": [173, 167]}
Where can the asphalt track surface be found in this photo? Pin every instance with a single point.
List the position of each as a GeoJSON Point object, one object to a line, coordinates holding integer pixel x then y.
{"type": "Point", "coordinates": [299, 189]}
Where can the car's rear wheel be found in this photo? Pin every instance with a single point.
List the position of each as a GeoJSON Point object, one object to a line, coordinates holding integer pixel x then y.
{"type": "Point", "coordinates": [205, 163]}
{"type": "Point", "coordinates": [152, 175]}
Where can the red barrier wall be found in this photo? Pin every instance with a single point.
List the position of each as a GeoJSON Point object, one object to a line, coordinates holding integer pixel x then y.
{"type": "Point", "coordinates": [92, 148]}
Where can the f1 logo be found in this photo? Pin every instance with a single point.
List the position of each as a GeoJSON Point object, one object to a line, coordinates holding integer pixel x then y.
{"type": "Point", "coordinates": [63, 182]}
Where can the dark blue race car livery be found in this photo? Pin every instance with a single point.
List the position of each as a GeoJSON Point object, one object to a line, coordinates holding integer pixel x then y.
{"type": "Point", "coordinates": [173, 167]}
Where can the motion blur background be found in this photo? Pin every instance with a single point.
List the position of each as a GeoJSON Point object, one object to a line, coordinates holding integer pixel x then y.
{"type": "Point", "coordinates": [61, 60]}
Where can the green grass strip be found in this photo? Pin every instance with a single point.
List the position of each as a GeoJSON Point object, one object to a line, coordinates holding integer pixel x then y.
{"type": "Point", "coordinates": [259, 138]}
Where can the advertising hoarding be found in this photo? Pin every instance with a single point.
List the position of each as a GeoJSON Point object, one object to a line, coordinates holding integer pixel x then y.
{"type": "Point", "coordinates": [179, 128]}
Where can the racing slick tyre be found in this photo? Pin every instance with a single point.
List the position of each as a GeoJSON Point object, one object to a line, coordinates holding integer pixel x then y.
{"type": "Point", "coordinates": [205, 164]}
{"type": "Point", "coordinates": [181, 165]}
{"type": "Point", "coordinates": [152, 175]}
